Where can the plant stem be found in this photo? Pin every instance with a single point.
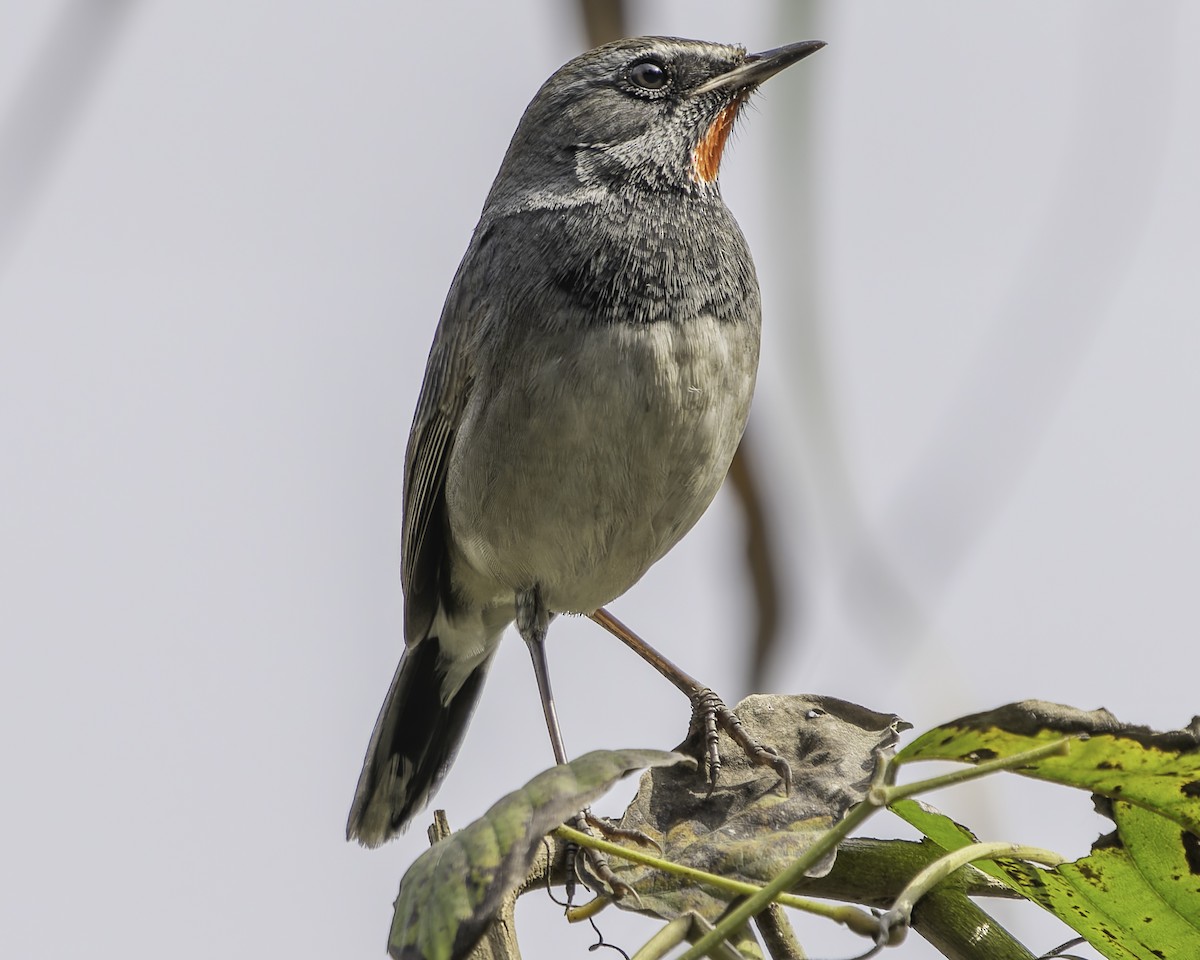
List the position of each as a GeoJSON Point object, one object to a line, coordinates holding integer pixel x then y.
{"type": "Point", "coordinates": [879, 795]}
{"type": "Point", "coordinates": [905, 790]}
{"type": "Point", "coordinates": [855, 919]}
{"type": "Point", "coordinates": [896, 919]}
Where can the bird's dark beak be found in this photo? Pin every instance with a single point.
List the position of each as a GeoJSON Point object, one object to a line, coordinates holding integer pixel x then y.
{"type": "Point", "coordinates": [759, 67]}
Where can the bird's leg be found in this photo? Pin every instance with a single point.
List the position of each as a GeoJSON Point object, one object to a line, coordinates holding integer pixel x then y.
{"type": "Point", "coordinates": [533, 621]}
{"type": "Point", "coordinates": [709, 713]}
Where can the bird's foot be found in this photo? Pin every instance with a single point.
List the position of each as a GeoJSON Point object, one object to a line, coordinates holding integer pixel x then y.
{"type": "Point", "coordinates": [614, 833]}
{"type": "Point", "coordinates": [710, 715]}
{"type": "Point", "coordinates": [592, 865]}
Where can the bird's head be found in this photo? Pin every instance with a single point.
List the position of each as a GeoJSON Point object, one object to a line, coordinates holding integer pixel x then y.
{"type": "Point", "coordinates": [644, 113]}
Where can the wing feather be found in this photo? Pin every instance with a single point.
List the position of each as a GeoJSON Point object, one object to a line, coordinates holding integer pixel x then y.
{"type": "Point", "coordinates": [444, 396]}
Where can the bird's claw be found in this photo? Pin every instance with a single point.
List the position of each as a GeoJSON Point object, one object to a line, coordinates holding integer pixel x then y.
{"type": "Point", "coordinates": [592, 865]}
{"type": "Point", "coordinates": [617, 834]}
{"type": "Point", "coordinates": [710, 715]}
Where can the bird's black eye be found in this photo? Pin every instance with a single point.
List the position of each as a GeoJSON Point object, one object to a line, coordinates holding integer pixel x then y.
{"type": "Point", "coordinates": [649, 75]}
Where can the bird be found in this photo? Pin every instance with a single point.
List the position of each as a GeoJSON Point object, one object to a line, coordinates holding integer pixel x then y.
{"type": "Point", "coordinates": [587, 386]}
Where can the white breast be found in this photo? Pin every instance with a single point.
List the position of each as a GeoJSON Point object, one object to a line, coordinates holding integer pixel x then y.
{"type": "Point", "coordinates": [587, 463]}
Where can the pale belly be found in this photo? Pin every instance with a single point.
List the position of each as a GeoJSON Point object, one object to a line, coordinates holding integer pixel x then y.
{"type": "Point", "coordinates": [579, 477]}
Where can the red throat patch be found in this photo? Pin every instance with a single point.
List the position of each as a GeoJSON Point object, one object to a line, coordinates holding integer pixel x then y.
{"type": "Point", "coordinates": [706, 157]}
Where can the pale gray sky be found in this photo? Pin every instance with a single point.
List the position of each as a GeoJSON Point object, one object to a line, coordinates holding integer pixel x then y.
{"type": "Point", "coordinates": [215, 311]}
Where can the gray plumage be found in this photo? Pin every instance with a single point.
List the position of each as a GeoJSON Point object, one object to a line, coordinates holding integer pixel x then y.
{"type": "Point", "coordinates": [587, 386]}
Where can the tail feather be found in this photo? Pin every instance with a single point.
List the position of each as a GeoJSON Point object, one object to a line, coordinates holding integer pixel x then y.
{"type": "Point", "coordinates": [418, 732]}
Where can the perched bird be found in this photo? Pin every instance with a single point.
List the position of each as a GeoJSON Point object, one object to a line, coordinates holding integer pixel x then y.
{"type": "Point", "coordinates": [586, 389]}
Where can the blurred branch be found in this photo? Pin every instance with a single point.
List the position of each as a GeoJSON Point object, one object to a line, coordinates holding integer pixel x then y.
{"type": "Point", "coordinates": [812, 456]}
{"type": "Point", "coordinates": [48, 105]}
{"type": "Point", "coordinates": [760, 559]}
{"type": "Point", "coordinates": [603, 20]}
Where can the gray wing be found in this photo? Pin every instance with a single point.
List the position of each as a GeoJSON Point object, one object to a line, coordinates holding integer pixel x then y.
{"type": "Point", "coordinates": [444, 395]}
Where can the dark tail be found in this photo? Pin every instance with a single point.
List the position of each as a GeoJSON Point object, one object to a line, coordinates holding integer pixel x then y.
{"type": "Point", "coordinates": [415, 738]}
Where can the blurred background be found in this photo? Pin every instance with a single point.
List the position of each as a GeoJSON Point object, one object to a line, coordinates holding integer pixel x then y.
{"type": "Point", "coordinates": [226, 230]}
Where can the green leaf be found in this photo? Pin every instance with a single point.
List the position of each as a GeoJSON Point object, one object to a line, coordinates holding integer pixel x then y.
{"type": "Point", "coordinates": [1132, 898]}
{"type": "Point", "coordinates": [453, 890]}
{"type": "Point", "coordinates": [1157, 771]}
{"type": "Point", "coordinates": [1167, 857]}
{"type": "Point", "coordinates": [1137, 894]}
